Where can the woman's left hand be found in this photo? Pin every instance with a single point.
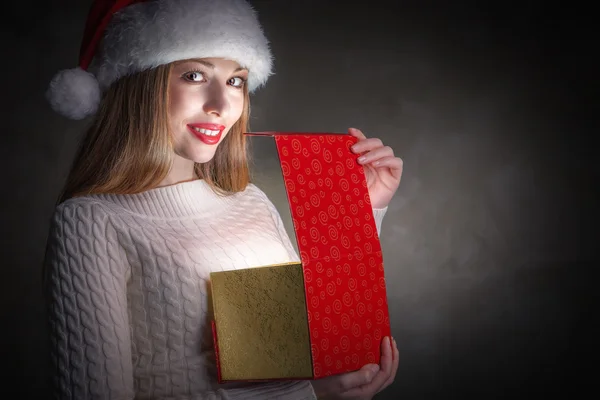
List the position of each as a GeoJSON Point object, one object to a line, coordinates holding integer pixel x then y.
{"type": "Point", "coordinates": [382, 169]}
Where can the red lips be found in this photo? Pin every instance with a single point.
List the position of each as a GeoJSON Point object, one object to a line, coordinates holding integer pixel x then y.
{"type": "Point", "coordinates": [207, 134]}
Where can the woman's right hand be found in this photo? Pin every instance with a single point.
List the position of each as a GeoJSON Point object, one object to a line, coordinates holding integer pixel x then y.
{"type": "Point", "coordinates": [364, 383]}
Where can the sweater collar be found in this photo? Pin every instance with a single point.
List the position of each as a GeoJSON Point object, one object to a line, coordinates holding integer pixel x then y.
{"type": "Point", "coordinates": [173, 201]}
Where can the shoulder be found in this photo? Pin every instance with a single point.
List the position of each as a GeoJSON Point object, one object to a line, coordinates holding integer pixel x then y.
{"type": "Point", "coordinates": [254, 201]}
{"type": "Point", "coordinates": [258, 196]}
{"type": "Point", "coordinates": [81, 207]}
{"type": "Point", "coordinates": [82, 236]}
{"type": "Point", "coordinates": [254, 191]}
{"type": "Point", "coordinates": [262, 204]}
{"type": "Point", "coordinates": [78, 215]}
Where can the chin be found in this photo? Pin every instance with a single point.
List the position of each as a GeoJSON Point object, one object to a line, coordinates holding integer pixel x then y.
{"type": "Point", "coordinates": [199, 157]}
{"type": "Point", "coordinates": [202, 158]}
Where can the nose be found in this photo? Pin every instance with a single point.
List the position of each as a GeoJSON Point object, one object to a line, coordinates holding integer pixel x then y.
{"type": "Point", "coordinates": [217, 102]}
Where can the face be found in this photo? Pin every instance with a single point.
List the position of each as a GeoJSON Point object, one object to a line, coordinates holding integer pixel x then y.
{"type": "Point", "coordinates": [206, 100]}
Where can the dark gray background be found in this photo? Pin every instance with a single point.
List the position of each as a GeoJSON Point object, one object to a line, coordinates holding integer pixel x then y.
{"type": "Point", "coordinates": [484, 244]}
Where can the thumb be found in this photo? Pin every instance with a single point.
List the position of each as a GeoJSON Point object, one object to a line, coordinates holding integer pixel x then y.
{"type": "Point", "coordinates": [358, 378]}
{"type": "Point", "coordinates": [373, 369]}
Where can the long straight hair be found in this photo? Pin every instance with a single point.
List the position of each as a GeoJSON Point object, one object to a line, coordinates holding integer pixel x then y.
{"type": "Point", "coordinates": [128, 148]}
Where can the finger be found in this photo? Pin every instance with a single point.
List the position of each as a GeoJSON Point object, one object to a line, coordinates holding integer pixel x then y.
{"type": "Point", "coordinates": [358, 378]}
{"type": "Point", "coordinates": [381, 377]}
{"type": "Point", "coordinates": [396, 356]}
{"type": "Point", "coordinates": [366, 145]}
{"type": "Point", "coordinates": [386, 364]}
{"type": "Point", "coordinates": [376, 154]}
{"type": "Point", "coordinates": [395, 165]}
{"type": "Point", "coordinates": [356, 133]}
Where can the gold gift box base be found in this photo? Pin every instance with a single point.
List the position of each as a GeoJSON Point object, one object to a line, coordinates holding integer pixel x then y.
{"type": "Point", "coordinates": [261, 323]}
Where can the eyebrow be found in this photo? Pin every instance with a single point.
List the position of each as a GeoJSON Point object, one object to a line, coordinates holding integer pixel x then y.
{"type": "Point", "coordinates": [209, 65]}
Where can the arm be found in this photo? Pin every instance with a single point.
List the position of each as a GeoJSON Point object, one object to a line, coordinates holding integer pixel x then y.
{"type": "Point", "coordinates": [86, 282]}
{"type": "Point", "coordinates": [86, 291]}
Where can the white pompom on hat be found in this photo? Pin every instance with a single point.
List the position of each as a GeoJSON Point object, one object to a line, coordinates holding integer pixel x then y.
{"type": "Point", "coordinates": [127, 36]}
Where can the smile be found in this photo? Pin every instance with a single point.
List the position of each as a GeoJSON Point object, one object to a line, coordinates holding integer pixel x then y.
{"type": "Point", "coordinates": [207, 133]}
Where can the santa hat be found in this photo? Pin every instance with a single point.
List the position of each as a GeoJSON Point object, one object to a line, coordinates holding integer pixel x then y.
{"type": "Point", "coordinates": [122, 37]}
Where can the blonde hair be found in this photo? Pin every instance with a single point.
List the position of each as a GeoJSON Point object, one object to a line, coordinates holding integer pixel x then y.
{"type": "Point", "coordinates": [128, 148]}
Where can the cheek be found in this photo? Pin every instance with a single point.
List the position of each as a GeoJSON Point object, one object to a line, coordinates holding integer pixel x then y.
{"type": "Point", "coordinates": [237, 107]}
{"type": "Point", "coordinates": [173, 106]}
{"type": "Point", "coordinates": [180, 109]}
{"type": "Point", "coordinates": [180, 104]}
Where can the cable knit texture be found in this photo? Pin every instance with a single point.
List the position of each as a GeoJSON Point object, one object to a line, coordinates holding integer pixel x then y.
{"type": "Point", "coordinates": [127, 279]}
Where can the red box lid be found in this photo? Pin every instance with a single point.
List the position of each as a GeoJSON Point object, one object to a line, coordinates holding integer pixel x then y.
{"type": "Point", "coordinates": [339, 247]}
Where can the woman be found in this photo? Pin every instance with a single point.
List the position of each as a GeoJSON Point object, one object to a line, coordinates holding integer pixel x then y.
{"type": "Point", "coordinates": [159, 195]}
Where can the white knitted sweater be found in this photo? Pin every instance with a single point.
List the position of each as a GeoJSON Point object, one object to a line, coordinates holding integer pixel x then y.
{"type": "Point", "coordinates": [127, 280]}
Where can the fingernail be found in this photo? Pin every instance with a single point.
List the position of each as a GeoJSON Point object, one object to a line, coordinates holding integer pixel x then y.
{"type": "Point", "coordinates": [374, 368]}
{"type": "Point", "coordinates": [361, 159]}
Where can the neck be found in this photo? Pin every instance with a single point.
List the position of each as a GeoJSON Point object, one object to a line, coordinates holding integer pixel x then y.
{"type": "Point", "coordinates": [182, 170]}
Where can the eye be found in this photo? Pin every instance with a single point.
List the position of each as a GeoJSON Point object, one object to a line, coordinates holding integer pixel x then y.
{"type": "Point", "coordinates": [237, 82]}
{"type": "Point", "coordinates": [194, 76]}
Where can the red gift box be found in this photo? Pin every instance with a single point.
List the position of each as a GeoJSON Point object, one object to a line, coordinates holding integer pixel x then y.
{"type": "Point", "coordinates": [330, 311]}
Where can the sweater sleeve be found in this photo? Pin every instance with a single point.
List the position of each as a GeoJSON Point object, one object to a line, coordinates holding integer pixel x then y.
{"type": "Point", "coordinates": [378, 214]}
{"type": "Point", "coordinates": [86, 288]}
{"type": "Point", "coordinates": [86, 291]}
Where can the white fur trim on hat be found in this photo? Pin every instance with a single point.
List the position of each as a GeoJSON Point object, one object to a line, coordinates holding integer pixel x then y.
{"type": "Point", "coordinates": [156, 32]}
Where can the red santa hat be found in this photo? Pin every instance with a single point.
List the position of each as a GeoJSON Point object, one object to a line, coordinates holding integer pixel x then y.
{"type": "Point", "coordinates": [122, 37]}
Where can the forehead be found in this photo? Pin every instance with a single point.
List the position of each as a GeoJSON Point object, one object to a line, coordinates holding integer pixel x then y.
{"type": "Point", "coordinates": [211, 63]}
